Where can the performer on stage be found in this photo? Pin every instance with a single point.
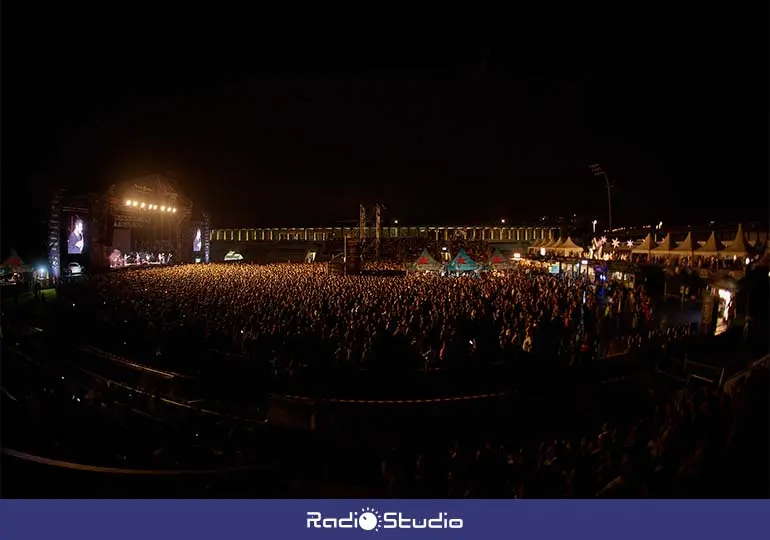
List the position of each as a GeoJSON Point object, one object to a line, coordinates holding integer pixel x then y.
{"type": "Point", "coordinates": [76, 242]}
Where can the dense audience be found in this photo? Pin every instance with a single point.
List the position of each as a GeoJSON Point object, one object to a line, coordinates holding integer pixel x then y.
{"type": "Point", "coordinates": [297, 314]}
{"type": "Point", "coordinates": [700, 442]}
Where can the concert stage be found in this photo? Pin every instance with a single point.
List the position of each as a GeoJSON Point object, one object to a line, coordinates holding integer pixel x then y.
{"type": "Point", "coordinates": [135, 222]}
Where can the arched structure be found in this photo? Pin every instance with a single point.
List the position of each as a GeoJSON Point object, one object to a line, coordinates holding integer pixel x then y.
{"type": "Point", "coordinates": [433, 232]}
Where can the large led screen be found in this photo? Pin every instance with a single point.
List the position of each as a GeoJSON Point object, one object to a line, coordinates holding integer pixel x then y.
{"type": "Point", "coordinates": [197, 241]}
{"type": "Point", "coordinates": [76, 235]}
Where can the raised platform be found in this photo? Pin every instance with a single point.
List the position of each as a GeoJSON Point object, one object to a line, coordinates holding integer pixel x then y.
{"type": "Point", "coordinates": [266, 252]}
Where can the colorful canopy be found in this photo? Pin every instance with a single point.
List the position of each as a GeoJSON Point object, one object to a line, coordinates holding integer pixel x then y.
{"type": "Point", "coordinates": [498, 260]}
{"type": "Point", "coordinates": [14, 261]}
{"type": "Point", "coordinates": [462, 263]}
{"type": "Point", "coordinates": [426, 262]}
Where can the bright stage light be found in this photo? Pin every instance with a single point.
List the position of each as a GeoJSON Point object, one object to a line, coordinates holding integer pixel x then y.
{"type": "Point", "coordinates": [174, 210]}
{"type": "Point", "coordinates": [162, 208]}
{"type": "Point", "coordinates": [134, 203]}
{"type": "Point", "coordinates": [128, 202]}
{"type": "Point", "coordinates": [142, 205]}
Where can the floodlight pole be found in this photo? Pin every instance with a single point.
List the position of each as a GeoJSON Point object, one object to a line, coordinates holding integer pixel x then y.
{"type": "Point", "coordinates": [609, 201]}
{"type": "Point", "coordinates": [598, 171]}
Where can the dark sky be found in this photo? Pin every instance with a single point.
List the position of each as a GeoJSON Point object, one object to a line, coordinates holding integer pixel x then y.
{"type": "Point", "coordinates": [445, 117]}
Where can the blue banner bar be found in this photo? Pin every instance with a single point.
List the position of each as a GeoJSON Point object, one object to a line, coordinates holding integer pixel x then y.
{"type": "Point", "coordinates": [295, 519]}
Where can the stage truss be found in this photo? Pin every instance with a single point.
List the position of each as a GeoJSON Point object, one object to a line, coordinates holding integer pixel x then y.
{"type": "Point", "coordinates": [157, 215]}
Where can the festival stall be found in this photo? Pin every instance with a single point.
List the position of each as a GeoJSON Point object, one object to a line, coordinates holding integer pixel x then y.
{"type": "Point", "coordinates": [543, 248]}
{"type": "Point", "coordinates": [498, 261]}
{"type": "Point", "coordinates": [623, 272]}
{"type": "Point", "coordinates": [712, 247]}
{"type": "Point", "coordinates": [569, 248]}
{"type": "Point", "coordinates": [14, 270]}
{"type": "Point", "coordinates": [647, 245]}
{"type": "Point", "coordinates": [686, 248]}
{"type": "Point", "coordinates": [555, 248]}
{"type": "Point", "coordinates": [664, 248]}
{"type": "Point", "coordinates": [462, 264]}
{"type": "Point", "coordinates": [425, 263]}
{"type": "Point", "coordinates": [738, 248]}
{"type": "Point", "coordinates": [535, 247]}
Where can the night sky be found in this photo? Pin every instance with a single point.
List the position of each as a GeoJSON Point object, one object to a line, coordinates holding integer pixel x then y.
{"type": "Point", "coordinates": [445, 117]}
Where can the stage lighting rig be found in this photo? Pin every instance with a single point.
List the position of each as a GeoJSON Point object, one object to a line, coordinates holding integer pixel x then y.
{"type": "Point", "coordinates": [149, 206]}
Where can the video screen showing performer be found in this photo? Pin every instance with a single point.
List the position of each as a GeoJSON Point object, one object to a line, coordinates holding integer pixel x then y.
{"type": "Point", "coordinates": [76, 240]}
{"type": "Point", "coordinates": [197, 241]}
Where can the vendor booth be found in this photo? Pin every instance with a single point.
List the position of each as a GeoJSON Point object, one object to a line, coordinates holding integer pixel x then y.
{"type": "Point", "coordinates": [498, 261]}
{"type": "Point", "coordinates": [647, 245]}
{"type": "Point", "coordinates": [663, 249]}
{"type": "Point", "coordinates": [723, 291]}
{"type": "Point", "coordinates": [462, 264]}
{"type": "Point", "coordinates": [425, 263]}
{"type": "Point", "coordinates": [738, 249]}
{"type": "Point", "coordinates": [712, 247]}
{"type": "Point", "coordinates": [568, 249]}
{"type": "Point", "coordinates": [686, 249]}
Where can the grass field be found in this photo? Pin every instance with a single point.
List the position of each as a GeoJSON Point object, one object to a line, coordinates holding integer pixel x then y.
{"type": "Point", "coordinates": [28, 310]}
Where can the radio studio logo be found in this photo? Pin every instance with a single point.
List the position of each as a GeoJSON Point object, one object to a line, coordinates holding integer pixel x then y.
{"type": "Point", "coordinates": [371, 519]}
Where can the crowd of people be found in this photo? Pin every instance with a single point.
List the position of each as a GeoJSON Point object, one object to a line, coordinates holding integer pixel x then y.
{"type": "Point", "coordinates": [686, 442]}
{"type": "Point", "coordinates": [293, 315]}
{"type": "Point", "coordinates": [294, 318]}
{"type": "Point", "coordinates": [700, 442]}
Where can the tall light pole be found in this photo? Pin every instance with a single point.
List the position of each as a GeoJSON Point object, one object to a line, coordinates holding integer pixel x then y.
{"type": "Point", "coordinates": [598, 171]}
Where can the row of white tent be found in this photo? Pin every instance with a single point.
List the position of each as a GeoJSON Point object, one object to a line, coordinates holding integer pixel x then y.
{"type": "Point", "coordinates": [565, 247]}
{"type": "Point", "coordinates": [739, 247]}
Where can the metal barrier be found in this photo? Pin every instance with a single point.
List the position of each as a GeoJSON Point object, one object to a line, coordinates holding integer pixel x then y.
{"type": "Point", "coordinates": [730, 383]}
{"type": "Point", "coordinates": [716, 380]}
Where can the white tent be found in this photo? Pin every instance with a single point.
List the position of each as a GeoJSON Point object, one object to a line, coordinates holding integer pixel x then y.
{"type": "Point", "coordinates": [570, 248]}
{"type": "Point", "coordinates": [556, 247]}
{"type": "Point", "coordinates": [686, 248]}
{"type": "Point", "coordinates": [738, 247]}
{"type": "Point", "coordinates": [664, 248]}
{"type": "Point", "coordinates": [711, 248]}
{"type": "Point", "coordinates": [537, 244]}
{"type": "Point", "coordinates": [646, 246]}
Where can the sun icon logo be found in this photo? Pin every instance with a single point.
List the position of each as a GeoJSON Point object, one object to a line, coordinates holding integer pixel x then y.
{"type": "Point", "coordinates": [369, 520]}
